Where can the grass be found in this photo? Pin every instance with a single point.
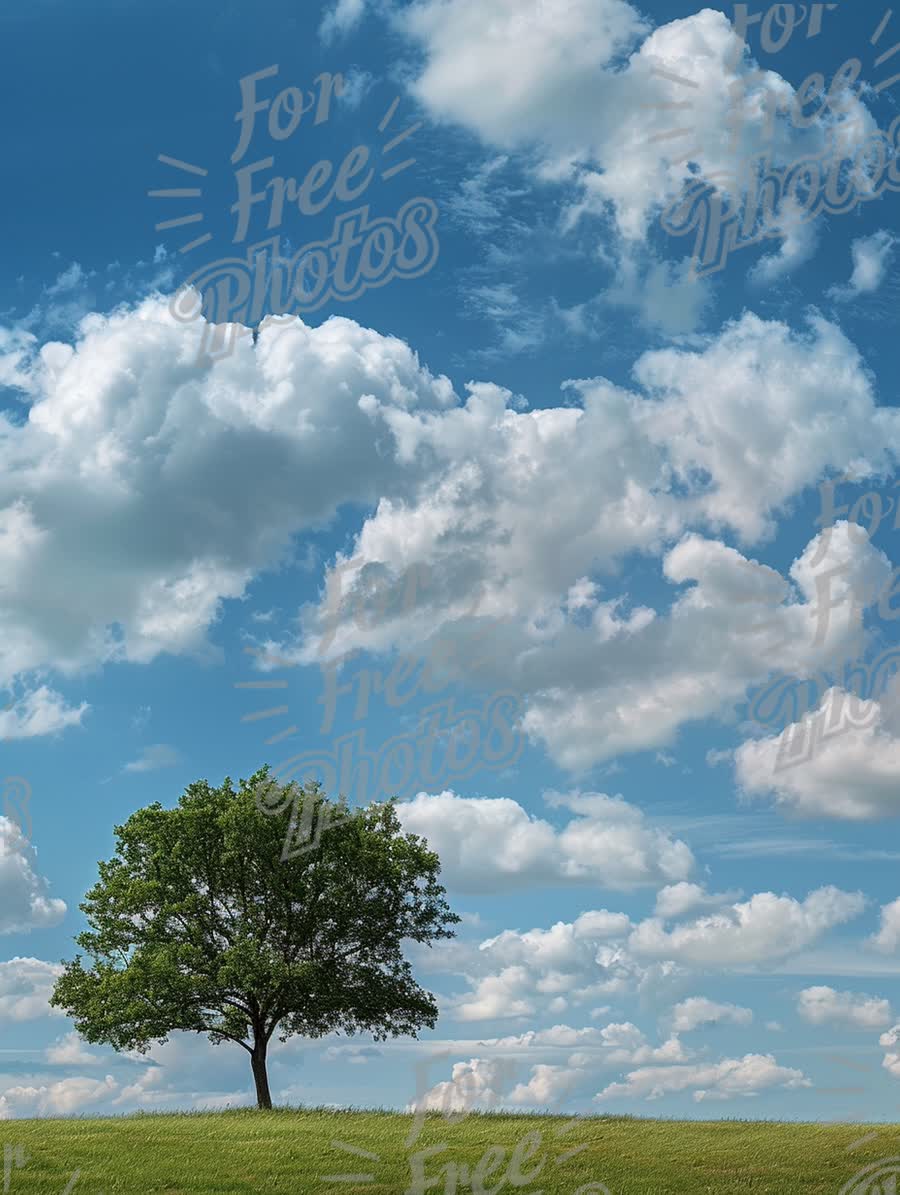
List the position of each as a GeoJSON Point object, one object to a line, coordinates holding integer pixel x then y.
{"type": "Point", "coordinates": [242, 1151]}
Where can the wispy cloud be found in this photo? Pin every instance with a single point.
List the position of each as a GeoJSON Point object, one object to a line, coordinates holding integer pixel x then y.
{"type": "Point", "coordinates": [160, 755]}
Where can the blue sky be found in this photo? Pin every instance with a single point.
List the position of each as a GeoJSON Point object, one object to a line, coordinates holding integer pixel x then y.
{"type": "Point", "coordinates": [556, 443]}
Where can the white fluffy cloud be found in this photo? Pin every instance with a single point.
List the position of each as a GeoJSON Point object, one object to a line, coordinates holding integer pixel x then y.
{"type": "Point", "coordinates": [617, 1043]}
{"type": "Point", "coordinates": [39, 712]}
{"type": "Point", "coordinates": [548, 1085]}
{"type": "Point", "coordinates": [527, 73]}
{"type": "Point", "coordinates": [800, 239]}
{"type": "Point", "coordinates": [887, 939]}
{"type": "Point", "coordinates": [476, 1083]}
{"type": "Point", "coordinates": [871, 257]}
{"type": "Point", "coordinates": [314, 418]}
{"type": "Point", "coordinates": [626, 1045]}
{"type": "Point", "coordinates": [504, 995]}
{"type": "Point", "coordinates": [601, 957]}
{"type": "Point", "coordinates": [605, 675]}
{"type": "Point", "coordinates": [487, 1082]}
{"type": "Point", "coordinates": [25, 902]}
{"type": "Point", "coordinates": [558, 1036]}
{"type": "Point", "coordinates": [63, 1098]}
{"type": "Point", "coordinates": [891, 1060]}
{"type": "Point", "coordinates": [25, 988]}
{"type": "Point", "coordinates": [69, 1050]}
{"type": "Point", "coordinates": [731, 1077]}
{"type": "Point", "coordinates": [825, 1006]}
{"type": "Point", "coordinates": [485, 842]}
{"type": "Point", "coordinates": [122, 453]}
{"type": "Point", "coordinates": [577, 964]}
{"type": "Point", "coordinates": [848, 767]}
{"type": "Point", "coordinates": [675, 900]}
{"type": "Point", "coordinates": [146, 1091]}
{"type": "Point", "coordinates": [696, 1011]}
{"type": "Point", "coordinates": [765, 927]}
{"type": "Point", "coordinates": [582, 83]}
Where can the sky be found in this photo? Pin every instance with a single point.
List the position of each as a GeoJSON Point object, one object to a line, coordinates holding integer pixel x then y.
{"type": "Point", "coordinates": [554, 493]}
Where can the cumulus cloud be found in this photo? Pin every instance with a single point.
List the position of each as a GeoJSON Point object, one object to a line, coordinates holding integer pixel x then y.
{"type": "Point", "coordinates": [541, 65]}
{"type": "Point", "coordinates": [730, 1078]}
{"type": "Point", "coordinates": [123, 451]}
{"type": "Point", "coordinates": [559, 1036]}
{"type": "Point", "coordinates": [63, 1098]}
{"type": "Point", "coordinates": [25, 988]}
{"type": "Point", "coordinates": [498, 996]}
{"type": "Point", "coordinates": [476, 1083]}
{"type": "Point", "coordinates": [848, 767]}
{"type": "Point", "coordinates": [766, 927]}
{"type": "Point", "coordinates": [615, 1044]}
{"type": "Point", "coordinates": [487, 1082]}
{"type": "Point", "coordinates": [871, 257]}
{"type": "Point", "coordinates": [696, 1011]}
{"type": "Point", "coordinates": [548, 1085]}
{"type": "Point", "coordinates": [464, 489]}
{"type": "Point", "coordinates": [484, 842]}
{"type": "Point", "coordinates": [825, 1006]}
{"type": "Point", "coordinates": [800, 239]}
{"type": "Point", "coordinates": [603, 958]}
{"type": "Point", "coordinates": [671, 671]}
{"type": "Point", "coordinates": [319, 417]}
{"type": "Point", "coordinates": [538, 74]}
{"type": "Point", "coordinates": [675, 900]}
{"type": "Point", "coordinates": [626, 1045]}
{"type": "Point", "coordinates": [887, 939]}
{"type": "Point", "coordinates": [891, 1060]}
{"type": "Point", "coordinates": [42, 711]}
{"type": "Point", "coordinates": [610, 675]}
{"type": "Point", "coordinates": [148, 1091]}
{"type": "Point", "coordinates": [69, 1050]}
{"type": "Point", "coordinates": [570, 965]}
{"type": "Point", "coordinates": [25, 902]}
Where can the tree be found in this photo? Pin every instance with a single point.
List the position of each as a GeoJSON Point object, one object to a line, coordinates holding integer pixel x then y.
{"type": "Point", "coordinates": [198, 924]}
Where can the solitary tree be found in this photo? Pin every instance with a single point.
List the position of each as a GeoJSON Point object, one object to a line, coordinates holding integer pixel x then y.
{"type": "Point", "coordinates": [198, 924]}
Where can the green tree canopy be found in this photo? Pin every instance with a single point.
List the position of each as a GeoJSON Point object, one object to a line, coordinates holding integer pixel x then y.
{"type": "Point", "coordinates": [198, 924]}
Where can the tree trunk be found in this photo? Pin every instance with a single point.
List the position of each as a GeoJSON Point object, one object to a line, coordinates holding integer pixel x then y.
{"type": "Point", "coordinates": [260, 1075]}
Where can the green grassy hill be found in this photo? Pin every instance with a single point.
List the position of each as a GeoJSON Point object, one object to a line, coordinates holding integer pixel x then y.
{"type": "Point", "coordinates": [285, 1151]}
